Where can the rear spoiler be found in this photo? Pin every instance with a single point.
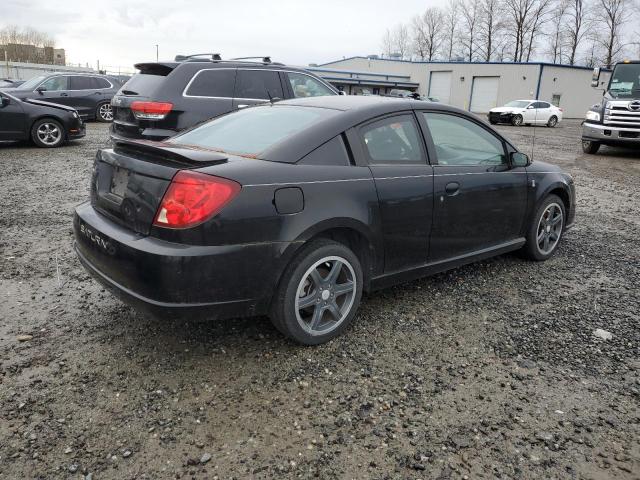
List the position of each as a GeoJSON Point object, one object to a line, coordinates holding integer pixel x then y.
{"type": "Point", "coordinates": [155, 68]}
{"type": "Point", "coordinates": [164, 151]}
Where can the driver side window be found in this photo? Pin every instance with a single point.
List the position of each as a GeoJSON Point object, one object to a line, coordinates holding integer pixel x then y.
{"type": "Point", "coordinates": [393, 140]}
{"type": "Point", "coordinates": [459, 141]}
{"type": "Point", "coordinates": [56, 83]}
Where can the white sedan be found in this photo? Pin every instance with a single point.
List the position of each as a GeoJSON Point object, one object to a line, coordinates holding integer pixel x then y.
{"type": "Point", "coordinates": [527, 112]}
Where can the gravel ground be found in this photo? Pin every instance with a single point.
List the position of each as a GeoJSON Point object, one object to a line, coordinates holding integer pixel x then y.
{"type": "Point", "coordinates": [488, 371]}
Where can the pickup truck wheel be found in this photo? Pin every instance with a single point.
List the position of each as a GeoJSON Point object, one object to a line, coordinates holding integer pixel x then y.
{"type": "Point", "coordinates": [319, 293]}
{"type": "Point", "coordinates": [516, 120]}
{"type": "Point", "coordinates": [589, 146]}
{"type": "Point", "coordinates": [546, 229]}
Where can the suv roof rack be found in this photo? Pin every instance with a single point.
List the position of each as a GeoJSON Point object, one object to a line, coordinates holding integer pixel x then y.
{"type": "Point", "coordinates": [265, 59]}
{"type": "Point", "coordinates": [194, 57]}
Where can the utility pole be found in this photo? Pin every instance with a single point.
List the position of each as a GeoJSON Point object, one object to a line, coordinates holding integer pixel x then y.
{"type": "Point", "coordinates": [156, 52]}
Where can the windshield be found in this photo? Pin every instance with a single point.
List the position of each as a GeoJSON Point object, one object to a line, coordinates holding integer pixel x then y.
{"type": "Point", "coordinates": [32, 83]}
{"type": "Point", "coordinates": [625, 80]}
{"type": "Point", "coordinates": [253, 130]}
{"type": "Point", "coordinates": [518, 104]}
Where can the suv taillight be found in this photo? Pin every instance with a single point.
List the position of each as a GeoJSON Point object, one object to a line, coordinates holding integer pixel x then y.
{"type": "Point", "coordinates": [150, 110]}
{"type": "Point", "coordinates": [192, 198]}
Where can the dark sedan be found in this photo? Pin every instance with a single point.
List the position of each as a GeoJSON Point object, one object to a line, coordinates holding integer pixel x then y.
{"type": "Point", "coordinates": [294, 209]}
{"type": "Point", "coordinates": [46, 124]}
{"type": "Point", "coordinates": [89, 94]}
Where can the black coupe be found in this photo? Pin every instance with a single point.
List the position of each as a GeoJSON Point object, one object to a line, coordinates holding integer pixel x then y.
{"type": "Point", "coordinates": [293, 209]}
{"type": "Point", "coordinates": [46, 124]}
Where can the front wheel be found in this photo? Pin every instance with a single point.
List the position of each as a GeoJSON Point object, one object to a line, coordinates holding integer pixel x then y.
{"type": "Point", "coordinates": [47, 133]}
{"type": "Point", "coordinates": [546, 229]}
{"type": "Point", "coordinates": [104, 113]}
{"type": "Point", "coordinates": [516, 120]}
{"type": "Point", "coordinates": [319, 293]}
{"type": "Point", "coordinates": [589, 146]}
{"type": "Point", "coordinates": [553, 121]}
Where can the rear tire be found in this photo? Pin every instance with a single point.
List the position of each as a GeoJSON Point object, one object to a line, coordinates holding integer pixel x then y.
{"type": "Point", "coordinates": [516, 120]}
{"type": "Point", "coordinates": [546, 229]}
{"type": "Point", "coordinates": [589, 146]}
{"type": "Point", "coordinates": [319, 293]}
{"type": "Point", "coordinates": [48, 133]}
{"type": "Point", "coordinates": [104, 113]}
{"type": "Point", "coordinates": [553, 121]}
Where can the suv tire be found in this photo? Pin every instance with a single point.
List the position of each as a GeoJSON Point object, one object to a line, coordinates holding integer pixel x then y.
{"type": "Point", "coordinates": [589, 146]}
{"type": "Point", "coordinates": [104, 112]}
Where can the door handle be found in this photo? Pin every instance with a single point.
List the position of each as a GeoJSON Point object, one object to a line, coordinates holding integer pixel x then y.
{"type": "Point", "coordinates": [64, 95]}
{"type": "Point", "coordinates": [452, 188]}
{"type": "Point", "coordinates": [243, 105]}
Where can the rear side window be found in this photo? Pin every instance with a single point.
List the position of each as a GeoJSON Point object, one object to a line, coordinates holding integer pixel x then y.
{"type": "Point", "coordinates": [258, 84]}
{"type": "Point", "coordinates": [81, 83]}
{"type": "Point", "coordinates": [100, 83]}
{"type": "Point", "coordinates": [212, 83]}
{"type": "Point", "coordinates": [334, 152]}
{"type": "Point", "coordinates": [393, 140]}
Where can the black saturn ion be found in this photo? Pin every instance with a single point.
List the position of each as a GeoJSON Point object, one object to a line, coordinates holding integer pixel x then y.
{"type": "Point", "coordinates": [293, 209]}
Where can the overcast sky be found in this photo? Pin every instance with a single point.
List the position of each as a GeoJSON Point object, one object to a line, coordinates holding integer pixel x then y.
{"type": "Point", "coordinates": [124, 32]}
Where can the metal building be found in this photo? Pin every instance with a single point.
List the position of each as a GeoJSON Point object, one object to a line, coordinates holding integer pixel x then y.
{"type": "Point", "coordinates": [475, 86]}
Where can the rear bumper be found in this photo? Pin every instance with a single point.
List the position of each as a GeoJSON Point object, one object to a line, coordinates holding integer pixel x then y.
{"type": "Point", "coordinates": [610, 135]}
{"type": "Point", "coordinates": [171, 279]}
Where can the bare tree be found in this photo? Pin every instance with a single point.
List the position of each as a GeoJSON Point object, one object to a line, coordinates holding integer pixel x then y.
{"type": "Point", "coordinates": [577, 26]}
{"type": "Point", "coordinates": [611, 15]}
{"type": "Point", "coordinates": [470, 12]}
{"type": "Point", "coordinates": [451, 19]}
{"type": "Point", "coordinates": [489, 25]}
{"type": "Point", "coordinates": [25, 44]}
{"type": "Point", "coordinates": [518, 19]}
{"type": "Point", "coordinates": [557, 35]}
{"type": "Point", "coordinates": [428, 33]}
{"type": "Point", "coordinates": [387, 43]}
{"type": "Point", "coordinates": [534, 28]}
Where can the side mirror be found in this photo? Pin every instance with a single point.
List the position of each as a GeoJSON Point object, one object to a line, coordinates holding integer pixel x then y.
{"type": "Point", "coordinates": [530, 107]}
{"type": "Point", "coordinates": [595, 78]}
{"type": "Point", "coordinates": [519, 159]}
{"type": "Point", "coordinates": [40, 90]}
{"type": "Point", "coordinates": [4, 101]}
{"type": "Point", "coordinates": [341, 92]}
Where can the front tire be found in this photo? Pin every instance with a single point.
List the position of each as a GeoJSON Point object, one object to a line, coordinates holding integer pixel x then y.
{"type": "Point", "coordinates": [589, 146]}
{"type": "Point", "coordinates": [546, 229]}
{"type": "Point", "coordinates": [553, 121]}
{"type": "Point", "coordinates": [48, 133]}
{"type": "Point", "coordinates": [319, 293]}
{"type": "Point", "coordinates": [104, 113]}
{"type": "Point", "coordinates": [516, 120]}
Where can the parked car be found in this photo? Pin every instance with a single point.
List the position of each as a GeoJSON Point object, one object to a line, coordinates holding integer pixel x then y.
{"type": "Point", "coordinates": [89, 94]}
{"type": "Point", "coordinates": [528, 112]}
{"type": "Point", "coordinates": [167, 97]}
{"type": "Point", "coordinates": [10, 83]}
{"type": "Point", "coordinates": [46, 124]}
{"type": "Point", "coordinates": [294, 209]}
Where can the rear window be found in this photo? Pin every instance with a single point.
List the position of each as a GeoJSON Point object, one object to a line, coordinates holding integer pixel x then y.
{"type": "Point", "coordinates": [254, 129]}
{"type": "Point", "coordinates": [212, 83]}
{"type": "Point", "coordinates": [142, 84]}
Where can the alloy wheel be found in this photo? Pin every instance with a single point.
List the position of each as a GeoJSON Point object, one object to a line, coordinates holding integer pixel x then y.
{"type": "Point", "coordinates": [106, 112]}
{"type": "Point", "coordinates": [553, 121]}
{"type": "Point", "coordinates": [325, 295]}
{"type": "Point", "coordinates": [549, 228]}
{"type": "Point", "coordinates": [49, 134]}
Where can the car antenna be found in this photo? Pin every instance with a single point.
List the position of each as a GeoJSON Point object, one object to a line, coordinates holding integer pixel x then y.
{"type": "Point", "coordinates": [535, 122]}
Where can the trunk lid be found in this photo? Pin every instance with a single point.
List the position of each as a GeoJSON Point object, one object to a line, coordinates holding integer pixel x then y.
{"type": "Point", "coordinates": [129, 181]}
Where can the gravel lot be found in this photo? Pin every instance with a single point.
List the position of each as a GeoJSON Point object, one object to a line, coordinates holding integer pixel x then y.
{"type": "Point", "coordinates": [488, 371]}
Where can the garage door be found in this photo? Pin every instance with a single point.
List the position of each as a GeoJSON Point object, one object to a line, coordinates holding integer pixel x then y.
{"type": "Point", "coordinates": [440, 86]}
{"type": "Point", "coordinates": [484, 94]}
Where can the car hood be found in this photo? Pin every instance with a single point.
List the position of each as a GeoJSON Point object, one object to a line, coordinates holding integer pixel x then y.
{"type": "Point", "coordinates": [33, 101]}
{"type": "Point", "coordinates": [506, 110]}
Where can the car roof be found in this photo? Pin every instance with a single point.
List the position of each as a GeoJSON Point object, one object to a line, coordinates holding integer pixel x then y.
{"type": "Point", "coordinates": [219, 64]}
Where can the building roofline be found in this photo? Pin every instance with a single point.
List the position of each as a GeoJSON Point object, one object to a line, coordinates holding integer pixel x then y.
{"type": "Point", "coordinates": [354, 72]}
{"type": "Point", "coordinates": [546, 64]}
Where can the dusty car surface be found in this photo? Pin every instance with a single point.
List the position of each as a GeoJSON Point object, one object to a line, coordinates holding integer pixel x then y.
{"type": "Point", "coordinates": [294, 209]}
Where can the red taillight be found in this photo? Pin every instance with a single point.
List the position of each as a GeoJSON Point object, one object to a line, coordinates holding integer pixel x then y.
{"type": "Point", "coordinates": [192, 198]}
{"type": "Point", "coordinates": [150, 110]}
